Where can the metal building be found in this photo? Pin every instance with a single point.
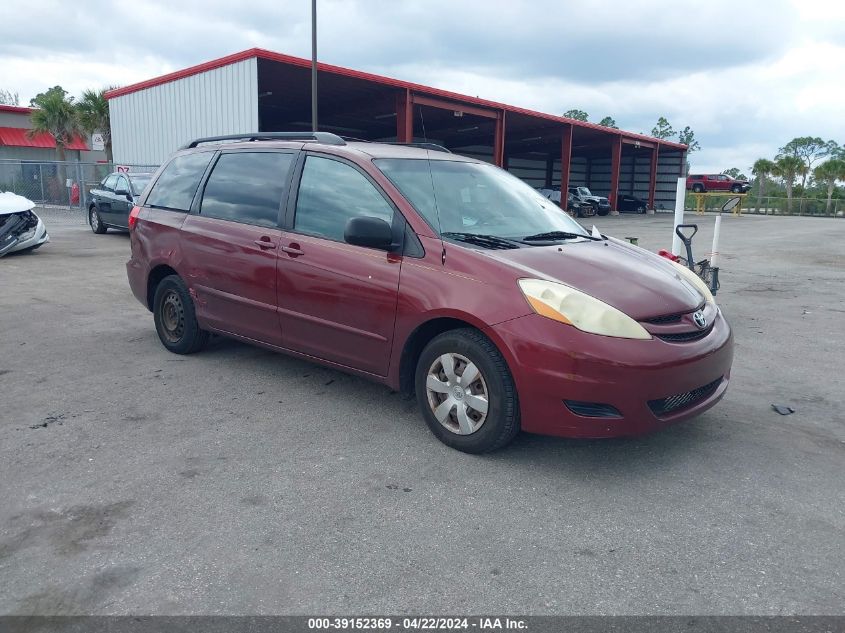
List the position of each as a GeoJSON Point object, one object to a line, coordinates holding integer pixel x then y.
{"type": "Point", "coordinates": [259, 90]}
{"type": "Point", "coordinates": [17, 143]}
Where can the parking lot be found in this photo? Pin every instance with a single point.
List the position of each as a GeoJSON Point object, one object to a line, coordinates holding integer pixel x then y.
{"type": "Point", "coordinates": [240, 481]}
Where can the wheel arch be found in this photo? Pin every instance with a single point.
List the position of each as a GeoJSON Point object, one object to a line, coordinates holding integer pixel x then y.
{"type": "Point", "coordinates": [154, 278]}
{"type": "Point", "coordinates": [425, 332]}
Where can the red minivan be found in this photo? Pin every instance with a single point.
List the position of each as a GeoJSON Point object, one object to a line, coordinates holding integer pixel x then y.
{"type": "Point", "coordinates": [431, 273]}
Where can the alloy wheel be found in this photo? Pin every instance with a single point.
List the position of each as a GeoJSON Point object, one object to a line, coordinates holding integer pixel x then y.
{"type": "Point", "coordinates": [457, 393]}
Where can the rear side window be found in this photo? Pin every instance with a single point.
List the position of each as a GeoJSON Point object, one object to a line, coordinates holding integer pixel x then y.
{"type": "Point", "coordinates": [178, 183]}
{"type": "Point", "coordinates": [330, 193]}
{"type": "Point", "coordinates": [247, 187]}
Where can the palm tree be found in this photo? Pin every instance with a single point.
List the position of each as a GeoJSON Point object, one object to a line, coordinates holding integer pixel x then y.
{"type": "Point", "coordinates": [789, 168]}
{"type": "Point", "coordinates": [762, 167]}
{"type": "Point", "coordinates": [93, 109]}
{"type": "Point", "coordinates": [56, 115]}
{"type": "Point", "coordinates": [829, 172]}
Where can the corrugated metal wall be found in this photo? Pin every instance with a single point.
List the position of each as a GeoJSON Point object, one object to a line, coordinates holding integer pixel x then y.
{"type": "Point", "coordinates": [668, 171]}
{"type": "Point", "coordinates": [148, 125]}
{"type": "Point", "coordinates": [634, 174]}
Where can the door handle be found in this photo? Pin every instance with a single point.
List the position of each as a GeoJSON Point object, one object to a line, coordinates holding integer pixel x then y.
{"type": "Point", "coordinates": [293, 250]}
{"type": "Point", "coordinates": [264, 243]}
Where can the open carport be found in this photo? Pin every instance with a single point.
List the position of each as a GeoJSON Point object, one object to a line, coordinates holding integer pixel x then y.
{"type": "Point", "coordinates": [268, 91]}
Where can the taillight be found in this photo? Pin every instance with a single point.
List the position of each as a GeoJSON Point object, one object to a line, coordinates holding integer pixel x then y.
{"type": "Point", "coordinates": [133, 217]}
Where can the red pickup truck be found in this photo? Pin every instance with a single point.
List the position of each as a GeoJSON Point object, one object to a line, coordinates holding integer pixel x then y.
{"type": "Point", "coordinates": [700, 183]}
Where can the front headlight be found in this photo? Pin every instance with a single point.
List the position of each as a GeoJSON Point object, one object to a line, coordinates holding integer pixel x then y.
{"type": "Point", "coordinates": [696, 281]}
{"type": "Point", "coordinates": [568, 305]}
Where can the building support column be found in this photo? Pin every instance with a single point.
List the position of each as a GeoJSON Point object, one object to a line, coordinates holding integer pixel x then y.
{"type": "Point", "coordinates": [565, 164]}
{"type": "Point", "coordinates": [615, 166]}
{"type": "Point", "coordinates": [652, 179]}
{"type": "Point", "coordinates": [404, 117]}
{"type": "Point", "coordinates": [499, 140]}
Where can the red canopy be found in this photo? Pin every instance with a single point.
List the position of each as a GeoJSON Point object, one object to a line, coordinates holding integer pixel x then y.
{"type": "Point", "coordinates": [19, 137]}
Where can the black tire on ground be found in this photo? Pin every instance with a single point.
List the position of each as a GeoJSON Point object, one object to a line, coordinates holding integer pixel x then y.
{"type": "Point", "coordinates": [95, 222]}
{"type": "Point", "coordinates": [502, 418]}
{"type": "Point", "coordinates": [175, 319]}
{"type": "Point", "coordinates": [601, 212]}
{"type": "Point", "coordinates": [736, 189]}
{"type": "Point", "coordinates": [641, 209]}
{"type": "Point", "coordinates": [698, 188]}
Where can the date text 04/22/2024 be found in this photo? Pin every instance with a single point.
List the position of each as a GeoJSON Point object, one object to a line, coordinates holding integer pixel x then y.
{"type": "Point", "coordinates": [421, 623]}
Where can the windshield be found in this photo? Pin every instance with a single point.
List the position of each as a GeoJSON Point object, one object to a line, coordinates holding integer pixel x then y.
{"type": "Point", "coordinates": [584, 191]}
{"type": "Point", "coordinates": [139, 183]}
{"type": "Point", "coordinates": [458, 197]}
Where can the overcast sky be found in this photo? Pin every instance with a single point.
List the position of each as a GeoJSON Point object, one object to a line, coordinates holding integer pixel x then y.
{"type": "Point", "coordinates": [747, 77]}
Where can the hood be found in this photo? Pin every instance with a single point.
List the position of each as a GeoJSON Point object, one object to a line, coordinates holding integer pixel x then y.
{"type": "Point", "coordinates": [637, 282]}
{"type": "Point", "coordinates": [13, 203]}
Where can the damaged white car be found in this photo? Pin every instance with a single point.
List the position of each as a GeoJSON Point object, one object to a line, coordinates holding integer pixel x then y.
{"type": "Point", "coordinates": [20, 228]}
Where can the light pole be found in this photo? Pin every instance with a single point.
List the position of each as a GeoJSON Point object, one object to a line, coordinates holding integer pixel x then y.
{"type": "Point", "coordinates": [314, 65]}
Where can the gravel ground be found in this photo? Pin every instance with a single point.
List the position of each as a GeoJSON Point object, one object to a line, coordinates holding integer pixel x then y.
{"type": "Point", "coordinates": [239, 481]}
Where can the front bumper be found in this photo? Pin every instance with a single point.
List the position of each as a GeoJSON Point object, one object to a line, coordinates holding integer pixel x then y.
{"type": "Point", "coordinates": [39, 237]}
{"type": "Point", "coordinates": [553, 363]}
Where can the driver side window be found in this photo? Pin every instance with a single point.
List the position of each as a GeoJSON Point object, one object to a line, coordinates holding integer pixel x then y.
{"type": "Point", "coordinates": [110, 182]}
{"type": "Point", "coordinates": [331, 193]}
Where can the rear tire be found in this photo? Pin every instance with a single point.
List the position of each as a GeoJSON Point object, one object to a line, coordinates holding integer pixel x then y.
{"type": "Point", "coordinates": [175, 318]}
{"type": "Point", "coordinates": [466, 392]}
{"type": "Point", "coordinates": [698, 188]}
{"type": "Point", "coordinates": [96, 222]}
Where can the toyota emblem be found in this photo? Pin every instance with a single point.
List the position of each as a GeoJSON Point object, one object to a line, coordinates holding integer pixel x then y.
{"type": "Point", "coordinates": [699, 319]}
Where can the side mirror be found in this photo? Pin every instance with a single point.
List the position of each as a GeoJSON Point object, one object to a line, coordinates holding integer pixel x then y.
{"type": "Point", "coordinates": [368, 231]}
{"type": "Point", "coordinates": [730, 204]}
{"type": "Point", "coordinates": [121, 192]}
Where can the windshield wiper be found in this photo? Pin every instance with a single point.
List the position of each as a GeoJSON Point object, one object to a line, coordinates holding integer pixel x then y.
{"type": "Point", "coordinates": [479, 239]}
{"type": "Point", "coordinates": [557, 235]}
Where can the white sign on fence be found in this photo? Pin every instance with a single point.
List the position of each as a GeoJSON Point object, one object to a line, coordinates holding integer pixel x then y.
{"type": "Point", "coordinates": [97, 143]}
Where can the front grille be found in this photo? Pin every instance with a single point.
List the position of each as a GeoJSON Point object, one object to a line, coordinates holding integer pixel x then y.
{"type": "Point", "coordinates": [685, 400]}
{"type": "Point", "coordinates": [683, 337]}
{"type": "Point", "coordinates": [669, 318]}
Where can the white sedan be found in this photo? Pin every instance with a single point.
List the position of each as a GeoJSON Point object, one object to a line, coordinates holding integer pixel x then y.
{"type": "Point", "coordinates": [20, 228]}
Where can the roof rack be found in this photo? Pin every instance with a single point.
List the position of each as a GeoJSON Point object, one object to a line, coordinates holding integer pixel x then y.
{"type": "Point", "coordinates": [326, 138]}
{"type": "Point", "coordinates": [432, 146]}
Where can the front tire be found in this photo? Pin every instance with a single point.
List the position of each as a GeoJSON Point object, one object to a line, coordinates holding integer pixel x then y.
{"type": "Point", "coordinates": [175, 318]}
{"type": "Point", "coordinates": [96, 222]}
{"type": "Point", "coordinates": [466, 392]}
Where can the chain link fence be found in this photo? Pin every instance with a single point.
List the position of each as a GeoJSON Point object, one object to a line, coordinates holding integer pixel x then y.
{"type": "Point", "coordinates": [799, 206]}
{"type": "Point", "coordinates": [56, 183]}
{"type": "Point", "coordinates": [772, 205]}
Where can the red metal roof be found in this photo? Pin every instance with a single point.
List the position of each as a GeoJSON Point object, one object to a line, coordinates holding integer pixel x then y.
{"type": "Point", "coordinates": [19, 137]}
{"type": "Point", "coordinates": [261, 53]}
{"type": "Point", "coordinates": [16, 109]}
